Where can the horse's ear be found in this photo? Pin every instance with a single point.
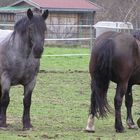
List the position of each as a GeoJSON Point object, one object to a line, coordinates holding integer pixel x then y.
{"type": "Point", "coordinates": [29, 14]}
{"type": "Point", "coordinates": [45, 14]}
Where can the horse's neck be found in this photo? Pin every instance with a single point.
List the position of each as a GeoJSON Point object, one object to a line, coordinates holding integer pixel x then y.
{"type": "Point", "coordinates": [21, 46]}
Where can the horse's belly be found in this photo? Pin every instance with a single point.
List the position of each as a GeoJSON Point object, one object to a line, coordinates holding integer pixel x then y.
{"type": "Point", "coordinates": [24, 77]}
{"type": "Point", "coordinates": [135, 79]}
{"type": "Point", "coordinates": [23, 80]}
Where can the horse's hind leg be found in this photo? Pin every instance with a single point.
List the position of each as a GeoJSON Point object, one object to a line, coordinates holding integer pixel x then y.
{"type": "Point", "coordinates": [5, 99]}
{"type": "Point", "coordinates": [120, 91]}
{"type": "Point", "coordinates": [90, 122]}
{"type": "Point", "coordinates": [128, 104]}
{"type": "Point", "coordinates": [27, 103]}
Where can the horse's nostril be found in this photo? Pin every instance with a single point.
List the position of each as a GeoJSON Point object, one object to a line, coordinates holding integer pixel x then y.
{"type": "Point", "coordinates": [37, 51]}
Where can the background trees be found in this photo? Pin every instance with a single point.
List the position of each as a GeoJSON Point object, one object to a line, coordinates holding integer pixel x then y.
{"type": "Point", "coordinates": [112, 10]}
{"type": "Point", "coordinates": [124, 10]}
{"type": "Point", "coordinates": [6, 2]}
{"type": "Point", "coordinates": [118, 10]}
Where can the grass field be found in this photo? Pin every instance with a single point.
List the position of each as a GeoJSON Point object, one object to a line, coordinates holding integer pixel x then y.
{"type": "Point", "coordinates": [60, 103]}
{"type": "Point", "coordinates": [60, 63]}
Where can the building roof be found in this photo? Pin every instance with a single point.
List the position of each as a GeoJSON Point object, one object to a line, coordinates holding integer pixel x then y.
{"type": "Point", "coordinates": [13, 9]}
{"type": "Point", "coordinates": [61, 5]}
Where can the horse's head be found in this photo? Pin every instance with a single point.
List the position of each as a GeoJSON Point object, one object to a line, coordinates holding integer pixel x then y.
{"type": "Point", "coordinates": [36, 32]}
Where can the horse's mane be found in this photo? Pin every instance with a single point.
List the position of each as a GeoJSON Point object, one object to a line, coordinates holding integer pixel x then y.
{"type": "Point", "coordinates": [22, 25]}
{"type": "Point", "coordinates": [136, 34]}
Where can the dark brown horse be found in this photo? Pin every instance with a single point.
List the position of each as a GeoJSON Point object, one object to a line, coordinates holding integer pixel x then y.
{"type": "Point", "coordinates": [116, 57]}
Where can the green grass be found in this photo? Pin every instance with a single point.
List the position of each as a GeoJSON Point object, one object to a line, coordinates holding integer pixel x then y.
{"type": "Point", "coordinates": [64, 63]}
{"type": "Point", "coordinates": [60, 105]}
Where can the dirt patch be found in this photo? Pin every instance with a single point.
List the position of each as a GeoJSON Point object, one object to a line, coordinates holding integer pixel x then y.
{"type": "Point", "coordinates": [57, 71]}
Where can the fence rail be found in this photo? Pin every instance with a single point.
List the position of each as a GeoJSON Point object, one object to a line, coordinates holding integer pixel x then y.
{"type": "Point", "coordinates": [64, 39]}
{"type": "Point", "coordinates": [69, 34]}
{"type": "Point", "coordinates": [65, 34]}
{"type": "Point", "coordinates": [70, 55]}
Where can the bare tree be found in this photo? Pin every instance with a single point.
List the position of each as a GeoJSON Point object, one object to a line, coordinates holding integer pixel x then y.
{"type": "Point", "coordinates": [118, 10]}
{"type": "Point", "coordinates": [6, 2]}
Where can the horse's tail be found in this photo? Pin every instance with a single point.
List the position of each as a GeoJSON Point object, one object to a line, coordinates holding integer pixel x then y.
{"type": "Point", "coordinates": [101, 78]}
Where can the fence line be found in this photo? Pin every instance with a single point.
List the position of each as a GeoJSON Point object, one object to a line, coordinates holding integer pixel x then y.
{"type": "Point", "coordinates": [68, 34]}
{"type": "Point", "coordinates": [8, 25]}
{"type": "Point", "coordinates": [65, 39]}
{"type": "Point", "coordinates": [63, 55]}
{"type": "Point", "coordinates": [4, 26]}
{"type": "Point", "coordinates": [71, 25]}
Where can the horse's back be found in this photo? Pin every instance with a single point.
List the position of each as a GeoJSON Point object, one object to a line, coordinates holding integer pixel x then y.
{"type": "Point", "coordinates": [123, 55]}
{"type": "Point", "coordinates": [122, 41]}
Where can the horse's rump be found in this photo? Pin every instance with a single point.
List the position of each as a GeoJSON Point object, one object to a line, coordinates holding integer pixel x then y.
{"type": "Point", "coordinates": [113, 57]}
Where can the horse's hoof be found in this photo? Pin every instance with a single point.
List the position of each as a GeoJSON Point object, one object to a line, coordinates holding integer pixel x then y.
{"type": "Point", "coordinates": [3, 127]}
{"type": "Point", "coordinates": [89, 131]}
{"type": "Point", "coordinates": [27, 128]}
{"type": "Point", "coordinates": [120, 130]}
{"type": "Point", "coordinates": [132, 127]}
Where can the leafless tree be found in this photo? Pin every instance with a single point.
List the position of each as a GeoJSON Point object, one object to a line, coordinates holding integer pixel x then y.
{"type": "Point", "coordinates": [6, 2]}
{"type": "Point", "coordinates": [118, 10]}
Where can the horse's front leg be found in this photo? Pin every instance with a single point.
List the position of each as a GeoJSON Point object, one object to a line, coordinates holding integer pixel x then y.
{"type": "Point", "coordinates": [120, 91]}
{"type": "Point", "coordinates": [28, 89]}
{"type": "Point", "coordinates": [128, 104]}
{"type": "Point", "coordinates": [4, 98]}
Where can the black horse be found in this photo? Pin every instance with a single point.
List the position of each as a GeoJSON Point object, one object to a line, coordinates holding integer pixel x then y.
{"type": "Point", "coordinates": [20, 55]}
{"type": "Point", "coordinates": [116, 57]}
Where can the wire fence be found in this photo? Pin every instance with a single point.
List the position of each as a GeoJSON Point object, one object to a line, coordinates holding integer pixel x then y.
{"type": "Point", "coordinates": [66, 34]}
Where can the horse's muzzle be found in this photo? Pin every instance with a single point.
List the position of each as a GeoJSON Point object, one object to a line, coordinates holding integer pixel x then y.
{"type": "Point", "coordinates": [37, 52]}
